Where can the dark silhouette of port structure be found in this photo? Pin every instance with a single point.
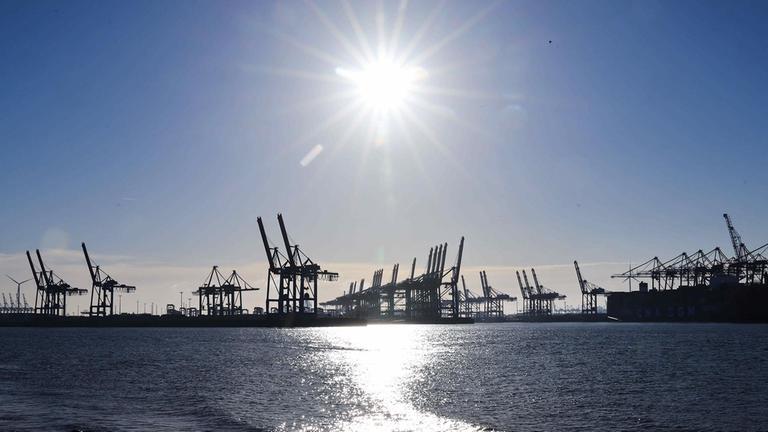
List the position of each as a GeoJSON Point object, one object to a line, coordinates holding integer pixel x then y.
{"type": "Point", "coordinates": [700, 286]}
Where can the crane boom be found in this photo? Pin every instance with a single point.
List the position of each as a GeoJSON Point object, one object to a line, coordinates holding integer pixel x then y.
{"type": "Point", "coordinates": [488, 287]}
{"type": "Point", "coordinates": [48, 281]}
{"type": "Point", "coordinates": [581, 280]}
{"type": "Point", "coordinates": [288, 248]}
{"type": "Point", "coordinates": [265, 241]}
{"type": "Point", "coordinates": [34, 271]}
{"type": "Point", "coordinates": [88, 261]}
{"type": "Point", "coordinates": [455, 278]}
{"type": "Point", "coordinates": [539, 288]}
{"type": "Point", "coordinates": [522, 288]}
{"type": "Point", "coordinates": [527, 285]}
{"type": "Point", "coordinates": [738, 245]}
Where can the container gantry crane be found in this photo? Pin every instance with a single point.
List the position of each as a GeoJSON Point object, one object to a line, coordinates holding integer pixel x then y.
{"type": "Point", "coordinates": [589, 292]}
{"type": "Point", "coordinates": [297, 275]}
{"type": "Point", "coordinates": [739, 248]}
{"type": "Point", "coordinates": [52, 291]}
{"type": "Point", "coordinates": [103, 288]}
{"type": "Point", "coordinates": [494, 300]}
{"type": "Point", "coordinates": [544, 298]}
{"type": "Point", "coordinates": [472, 305]}
{"type": "Point", "coordinates": [220, 295]}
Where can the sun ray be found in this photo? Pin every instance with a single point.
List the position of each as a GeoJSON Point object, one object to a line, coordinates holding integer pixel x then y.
{"type": "Point", "coordinates": [389, 98]}
{"type": "Point", "coordinates": [446, 113]}
{"type": "Point", "coordinates": [409, 115]}
{"type": "Point", "coordinates": [419, 35]}
{"type": "Point", "coordinates": [331, 121]}
{"type": "Point", "coordinates": [317, 102]}
{"type": "Point", "coordinates": [440, 110]}
{"type": "Point", "coordinates": [381, 45]}
{"type": "Point", "coordinates": [394, 40]}
{"type": "Point", "coordinates": [351, 129]}
{"type": "Point", "coordinates": [362, 166]}
{"type": "Point", "coordinates": [337, 34]}
{"type": "Point", "coordinates": [340, 144]}
{"type": "Point", "coordinates": [312, 51]}
{"type": "Point", "coordinates": [434, 140]}
{"type": "Point", "coordinates": [297, 73]}
{"type": "Point", "coordinates": [359, 33]}
{"type": "Point", "coordinates": [412, 146]}
{"type": "Point", "coordinates": [471, 22]}
{"type": "Point", "coordinates": [445, 91]}
{"type": "Point", "coordinates": [346, 138]}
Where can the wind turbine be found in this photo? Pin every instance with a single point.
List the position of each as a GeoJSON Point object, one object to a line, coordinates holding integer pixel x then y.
{"type": "Point", "coordinates": [18, 288]}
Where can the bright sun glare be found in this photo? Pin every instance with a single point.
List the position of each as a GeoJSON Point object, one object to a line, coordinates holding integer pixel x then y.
{"type": "Point", "coordinates": [383, 84]}
{"type": "Point", "coordinates": [383, 95]}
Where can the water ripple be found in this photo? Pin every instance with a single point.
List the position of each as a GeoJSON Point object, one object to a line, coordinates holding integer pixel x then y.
{"type": "Point", "coordinates": [506, 377]}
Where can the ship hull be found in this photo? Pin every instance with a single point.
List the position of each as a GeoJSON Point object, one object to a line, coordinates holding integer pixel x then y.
{"type": "Point", "coordinates": [727, 303]}
{"type": "Point", "coordinates": [570, 317]}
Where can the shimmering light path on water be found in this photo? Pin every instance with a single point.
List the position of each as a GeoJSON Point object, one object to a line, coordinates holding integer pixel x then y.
{"type": "Point", "coordinates": [515, 377]}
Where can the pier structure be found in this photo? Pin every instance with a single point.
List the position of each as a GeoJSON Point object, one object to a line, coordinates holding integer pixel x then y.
{"type": "Point", "coordinates": [103, 289]}
{"type": "Point", "coordinates": [292, 276]}
{"type": "Point", "coordinates": [589, 293]}
{"type": "Point", "coordinates": [52, 292]}
{"type": "Point", "coordinates": [220, 295]}
{"type": "Point", "coordinates": [431, 296]}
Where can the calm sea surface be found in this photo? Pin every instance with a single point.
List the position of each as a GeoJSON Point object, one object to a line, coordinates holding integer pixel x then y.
{"type": "Point", "coordinates": [510, 377]}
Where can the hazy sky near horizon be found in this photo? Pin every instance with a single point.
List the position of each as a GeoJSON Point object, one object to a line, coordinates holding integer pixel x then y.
{"type": "Point", "coordinates": [159, 131]}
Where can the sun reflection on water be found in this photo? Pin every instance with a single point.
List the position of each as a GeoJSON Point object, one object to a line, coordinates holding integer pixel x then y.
{"type": "Point", "coordinates": [379, 366]}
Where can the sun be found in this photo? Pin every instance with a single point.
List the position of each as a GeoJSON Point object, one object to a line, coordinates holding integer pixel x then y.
{"type": "Point", "coordinates": [383, 84]}
{"type": "Point", "coordinates": [382, 76]}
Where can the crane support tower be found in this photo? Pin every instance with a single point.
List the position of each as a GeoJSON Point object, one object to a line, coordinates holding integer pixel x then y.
{"type": "Point", "coordinates": [589, 293]}
{"type": "Point", "coordinates": [52, 292]}
{"type": "Point", "coordinates": [293, 276]}
{"type": "Point", "coordinates": [103, 289]}
{"type": "Point", "coordinates": [433, 296]}
{"type": "Point", "coordinates": [220, 295]}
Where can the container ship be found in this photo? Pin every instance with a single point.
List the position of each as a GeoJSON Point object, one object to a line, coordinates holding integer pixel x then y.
{"type": "Point", "coordinates": [697, 287]}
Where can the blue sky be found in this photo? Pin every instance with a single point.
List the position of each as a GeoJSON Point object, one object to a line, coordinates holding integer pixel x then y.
{"type": "Point", "coordinates": [159, 131]}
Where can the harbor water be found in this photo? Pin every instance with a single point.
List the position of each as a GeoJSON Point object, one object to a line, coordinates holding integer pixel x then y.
{"type": "Point", "coordinates": [507, 377]}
